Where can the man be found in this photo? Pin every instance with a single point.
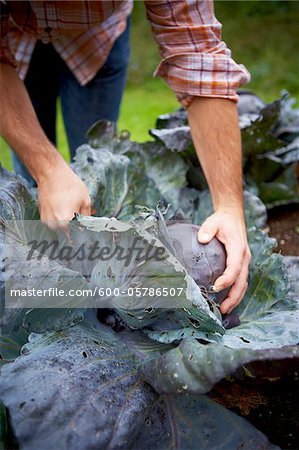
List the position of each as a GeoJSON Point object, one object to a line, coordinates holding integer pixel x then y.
{"type": "Point", "coordinates": [196, 64]}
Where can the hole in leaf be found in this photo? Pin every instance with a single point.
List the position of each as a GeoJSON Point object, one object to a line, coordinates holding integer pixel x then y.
{"type": "Point", "coordinates": [22, 404]}
{"type": "Point", "coordinates": [194, 322]}
{"type": "Point", "coordinates": [84, 354]}
{"type": "Point", "coordinates": [245, 340]}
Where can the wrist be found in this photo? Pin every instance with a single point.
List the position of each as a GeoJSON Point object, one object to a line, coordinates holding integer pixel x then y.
{"type": "Point", "coordinates": [229, 202]}
{"type": "Point", "coordinates": [234, 209]}
{"type": "Point", "coordinates": [50, 164]}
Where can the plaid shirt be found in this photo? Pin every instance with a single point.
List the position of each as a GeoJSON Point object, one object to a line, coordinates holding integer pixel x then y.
{"type": "Point", "coordinates": [195, 60]}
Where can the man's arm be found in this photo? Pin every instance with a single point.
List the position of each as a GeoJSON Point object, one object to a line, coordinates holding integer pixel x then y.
{"type": "Point", "coordinates": [216, 136]}
{"type": "Point", "coordinates": [61, 193]}
{"type": "Point", "coordinates": [198, 66]}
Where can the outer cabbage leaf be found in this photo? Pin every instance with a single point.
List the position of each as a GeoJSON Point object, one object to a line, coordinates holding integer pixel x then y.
{"type": "Point", "coordinates": [57, 312]}
{"type": "Point", "coordinates": [268, 279]}
{"type": "Point", "coordinates": [269, 312]}
{"type": "Point", "coordinates": [195, 368]}
{"type": "Point", "coordinates": [287, 127]}
{"type": "Point", "coordinates": [264, 168]}
{"type": "Point", "coordinates": [171, 120]}
{"type": "Point", "coordinates": [257, 137]}
{"type": "Point", "coordinates": [16, 201]}
{"type": "Point", "coordinates": [19, 220]}
{"type": "Point", "coordinates": [277, 193]}
{"type": "Point", "coordinates": [101, 134]}
{"type": "Point", "coordinates": [292, 266]}
{"type": "Point", "coordinates": [290, 153]}
{"type": "Point", "coordinates": [95, 398]}
{"type": "Point", "coordinates": [272, 330]}
{"type": "Point", "coordinates": [114, 182]}
{"type": "Point", "coordinates": [249, 102]}
{"type": "Point", "coordinates": [191, 422]}
{"type": "Point", "coordinates": [148, 163]}
{"type": "Point", "coordinates": [154, 159]}
{"type": "Point", "coordinates": [177, 139]}
{"type": "Point", "coordinates": [173, 328]}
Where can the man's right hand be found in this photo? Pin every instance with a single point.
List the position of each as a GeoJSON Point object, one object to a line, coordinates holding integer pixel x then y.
{"type": "Point", "coordinates": [61, 194]}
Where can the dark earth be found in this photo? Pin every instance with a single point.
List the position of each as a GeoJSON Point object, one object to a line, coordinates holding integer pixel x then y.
{"type": "Point", "coordinates": [283, 224]}
{"type": "Point", "coordinates": [271, 405]}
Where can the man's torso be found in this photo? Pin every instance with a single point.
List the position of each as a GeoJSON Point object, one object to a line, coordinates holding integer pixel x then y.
{"type": "Point", "coordinates": [82, 32]}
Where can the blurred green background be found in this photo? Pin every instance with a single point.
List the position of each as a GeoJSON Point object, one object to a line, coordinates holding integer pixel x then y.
{"type": "Point", "coordinates": [263, 35]}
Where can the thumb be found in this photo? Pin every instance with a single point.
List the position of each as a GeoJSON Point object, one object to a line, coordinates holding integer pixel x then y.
{"type": "Point", "coordinates": [207, 231]}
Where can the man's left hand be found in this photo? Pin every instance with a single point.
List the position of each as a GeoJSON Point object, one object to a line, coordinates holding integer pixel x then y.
{"type": "Point", "coordinates": [229, 228]}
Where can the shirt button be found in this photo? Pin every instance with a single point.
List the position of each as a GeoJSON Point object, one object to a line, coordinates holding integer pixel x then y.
{"type": "Point", "coordinates": [48, 29]}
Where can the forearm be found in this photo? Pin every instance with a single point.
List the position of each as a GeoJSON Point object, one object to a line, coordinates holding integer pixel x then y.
{"type": "Point", "coordinates": [21, 129]}
{"type": "Point", "coordinates": [61, 193]}
{"type": "Point", "coordinates": [216, 136]}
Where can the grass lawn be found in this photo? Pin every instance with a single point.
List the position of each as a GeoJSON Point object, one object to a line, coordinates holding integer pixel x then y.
{"type": "Point", "coordinates": [263, 35]}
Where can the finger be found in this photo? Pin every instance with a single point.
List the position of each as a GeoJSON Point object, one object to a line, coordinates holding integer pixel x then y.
{"type": "Point", "coordinates": [207, 231]}
{"type": "Point", "coordinates": [234, 263]}
{"type": "Point", "coordinates": [237, 291]}
{"type": "Point", "coordinates": [66, 230]}
{"type": "Point", "coordinates": [56, 224]}
{"type": "Point", "coordinates": [86, 209]}
{"type": "Point", "coordinates": [230, 303]}
{"type": "Point", "coordinates": [50, 223]}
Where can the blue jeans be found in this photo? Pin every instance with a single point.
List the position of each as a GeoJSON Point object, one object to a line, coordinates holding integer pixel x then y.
{"type": "Point", "coordinates": [49, 77]}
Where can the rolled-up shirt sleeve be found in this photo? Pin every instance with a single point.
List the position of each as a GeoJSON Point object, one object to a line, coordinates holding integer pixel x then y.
{"type": "Point", "coordinates": [195, 61]}
{"type": "Point", "coordinates": [5, 54]}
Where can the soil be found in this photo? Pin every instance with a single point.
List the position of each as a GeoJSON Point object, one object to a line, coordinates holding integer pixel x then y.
{"type": "Point", "coordinates": [272, 407]}
{"type": "Point", "coordinates": [283, 224]}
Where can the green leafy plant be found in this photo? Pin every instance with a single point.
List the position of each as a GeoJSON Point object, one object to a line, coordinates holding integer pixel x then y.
{"type": "Point", "coordinates": [134, 377]}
